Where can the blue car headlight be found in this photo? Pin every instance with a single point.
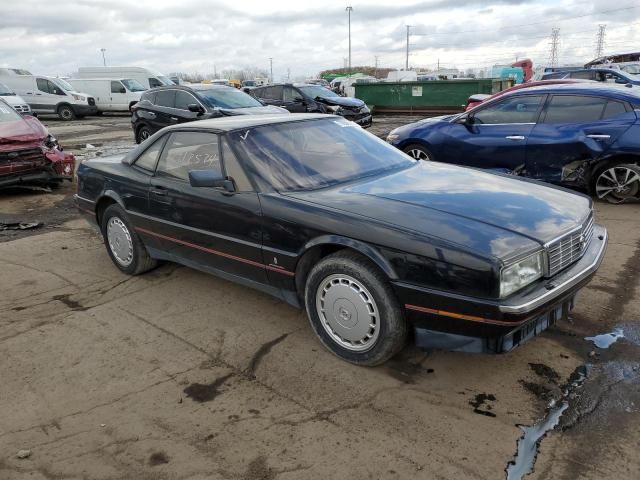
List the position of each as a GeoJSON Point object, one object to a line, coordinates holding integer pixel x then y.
{"type": "Point", "coordinates": [393, 136]}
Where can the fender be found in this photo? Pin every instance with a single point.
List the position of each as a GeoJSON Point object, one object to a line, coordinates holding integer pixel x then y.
{"type": "Point", "coordinates": [113, 195]}
{"type": "Point", "coordinates": [364, 248]}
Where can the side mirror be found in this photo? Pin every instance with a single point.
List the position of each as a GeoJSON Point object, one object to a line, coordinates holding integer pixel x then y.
{"type": "Point", "coordinates": [123, 90]}
{"type": "Point", "coordinates": [195, 108]}
{"type": "Point", "coordinates": [210, 178]}
{"type": "Point", "coordinates": [621, 81]}
{"type": "Point", "coordinates": [466, 120]}
{"type": "Point", "coordinates": [298, 100]}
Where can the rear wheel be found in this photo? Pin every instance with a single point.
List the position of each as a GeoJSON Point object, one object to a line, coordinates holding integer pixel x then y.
{"type": "Point", "coordinates": [418, 152]}
{"type": "Point", "coordinates": [124, 246]}
{"type": "Point", "coordinates": [353, 309]}
{"type": "Point", "coordinates": [143, 134]}
{"type": "Point", "coordinates": [66, 113]}
{"type": "Point", "coordinates": [617, 183]}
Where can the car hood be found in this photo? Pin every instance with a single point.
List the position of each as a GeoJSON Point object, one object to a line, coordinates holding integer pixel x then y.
{"type": "Point", "coordinates": [488, 213]}
{"type": "Point", "coordinates": [265, 110]}
{"type": "Point", "coordinates": [27, 132]}
{"type": "Point", "coordinates": [341, 101]}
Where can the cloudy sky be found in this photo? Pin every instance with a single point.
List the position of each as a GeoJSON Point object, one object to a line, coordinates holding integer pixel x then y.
{"type": "Point", "coordinates": [305, 36]}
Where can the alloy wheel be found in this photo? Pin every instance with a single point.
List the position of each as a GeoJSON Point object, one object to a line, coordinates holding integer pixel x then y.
{"type": "Point", "coordinates": [120, 242]}
{"type": "Point", "coordinates": [618, 184]}
{"type": "Point", "coordinates": [419, 154]}
{"type": "Point", "coordinates": [348, 313]}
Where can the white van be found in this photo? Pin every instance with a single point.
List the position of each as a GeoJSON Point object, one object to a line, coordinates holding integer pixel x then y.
{"type": "Point", "coordinates": [147, 78]}
{"type": "Point", "coordinates": [15, 101]}
{"type": "Point", "coordinates": [50, 95]}
{"type": "Point", "coordinates": [111, 94]}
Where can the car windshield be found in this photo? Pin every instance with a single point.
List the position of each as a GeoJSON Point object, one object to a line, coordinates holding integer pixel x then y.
{"type": "Point", "coordinates": [318, 91]}
{"type": "Point", "coordinates": [164, 80]}
{"type": "Point", "coordinates": [8, 114]}
{"type": "Point", "coordinates": [64, 85]}
{"type": "Point", "coordinates": [633, 69]}
{"type": "Point", "coordinates": [226, 97]}
{"type": "Point", "coordinates": [133, 85]}
{"type": "Point", "coordinates": [313, 154]}
{"type": "Point", "coordinates": [5, 91]}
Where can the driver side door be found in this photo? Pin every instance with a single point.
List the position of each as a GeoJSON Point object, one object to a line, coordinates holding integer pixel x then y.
{"type": "Point", "coordinates": [496, 135]}
{"type": "Point", "coordinates": [293, 100]}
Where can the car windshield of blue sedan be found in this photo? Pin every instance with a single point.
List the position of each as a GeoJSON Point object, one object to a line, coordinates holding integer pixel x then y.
{"type": "Point", "coordinates": [313, 154]}
{"type": "Point", "coordinates": [318, 91]}
{"type": "Point", "coordinates": [228, 98]}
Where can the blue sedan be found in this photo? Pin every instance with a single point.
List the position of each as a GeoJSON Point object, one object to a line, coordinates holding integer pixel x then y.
{"type": "Point", "coordinates": [576, 135]}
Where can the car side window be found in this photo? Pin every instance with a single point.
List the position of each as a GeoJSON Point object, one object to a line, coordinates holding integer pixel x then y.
{"type": "Point", "coordinates": [117, 87]}
{"type": "Point", "coordinates": [43, 85]}
{"type": "Point", "coordinates": [154, 82]}
{"type": "Point", "coordinates": [519, 109]}
{"type": "Point", "coordinates": [613, 109]}
{"type": "Point", "coordinates": [186, 151]}
{"type": "Point", "coordinates": [184, 99]}
{"type": "Point", "coordinates": [147, 161]}
{"type": "Point", "coordinates": [291, 94]}
{"type": "Point", "coordinates": [149, 96]}
{"type": "Point", "coordinates": [234, 169]}
{"type": "Point", "coordinates": [272, 93]}
{"type": "Point", "coordinates": [574, 109]}
{"type": "Point", "coordinates": [582, 75]}
{"type": "Point", "coordinates": [166, 98]}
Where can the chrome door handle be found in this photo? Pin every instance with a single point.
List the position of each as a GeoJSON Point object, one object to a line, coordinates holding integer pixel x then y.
{"type": "Point", "coordinates": [599, 137]}
{"type": "Point", "coordinates": [175, 119]}
{"type": "Point", "coordinates": [515, 137]}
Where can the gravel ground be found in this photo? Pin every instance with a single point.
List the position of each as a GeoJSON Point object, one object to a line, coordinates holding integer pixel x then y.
{"type": "Point", "coordinates": [176, 374]}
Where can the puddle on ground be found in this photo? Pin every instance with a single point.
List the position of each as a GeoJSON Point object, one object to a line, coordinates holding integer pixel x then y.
{"type": "Point", "coordinates": [605, 340]}
{"type": "Point", "coordinates": [529, 443]}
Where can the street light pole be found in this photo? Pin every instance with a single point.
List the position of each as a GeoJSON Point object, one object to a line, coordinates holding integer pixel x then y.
{"type": "Point", "coordinates": [271, 68]}
{"type": "Point", "coordinates": [406, 64]}
{"type": "Point", "coordinates": [349, 10]}
{"type": "Point", "coordinates": [104, 60]}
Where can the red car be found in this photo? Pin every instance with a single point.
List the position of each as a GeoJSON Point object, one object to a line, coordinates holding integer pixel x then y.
{"type": "Point", "coordinates": [478, 98]}
{"type": "Point", "coordinates": [28, 153]}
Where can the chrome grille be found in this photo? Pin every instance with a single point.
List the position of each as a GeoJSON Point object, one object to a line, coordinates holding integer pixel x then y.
{"type": "Point", "coordinates": [21, 108]}
{"type": "Point", "coordinates": [570, 248]}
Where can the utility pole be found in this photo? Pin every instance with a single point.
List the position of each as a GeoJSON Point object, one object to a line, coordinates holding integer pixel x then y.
{"type": "Point", "coordinates": [600, 40]}
{"type": "Point", "coordinates": [288, 74]}
{"type": "Point", "coordinates": [104, 60]}
{"type": "Point", "coordinates": [406, 63]}
{"type": "Point", "coordinates": [555, 45]}
{"type": "Point", "coordinates": [271, 69]}
{"type": "Point", "coordinates": [349, 10]}
{"type": "Point", "coordinates": [375, 73]}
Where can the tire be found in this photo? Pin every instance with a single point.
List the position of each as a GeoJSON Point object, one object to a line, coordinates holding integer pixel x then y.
{"type": "Point", "coordinates": [418, 152]}
{"type": "Point", "coordinates": [616, 182]}
{"type": "Point", "coordinates": [142, 134]}
{"type": "Point", "coordinates": [118, 233]}
{"type": "Point", "coordinates": [356, 290]}
{"type": "Point", "coordinates": [66, 113]}
{"type": "Point", "coordinates": [99, 113]}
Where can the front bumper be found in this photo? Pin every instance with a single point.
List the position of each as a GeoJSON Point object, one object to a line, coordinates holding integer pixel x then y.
{"type": "Point", "coordinates": [84, 109]}
{"type": "Point", "coordinates": [364, 120]}
{"type": "Point", "coordinates": [60, 167]}
{"type": "Point", "coordinates": [450, 321]}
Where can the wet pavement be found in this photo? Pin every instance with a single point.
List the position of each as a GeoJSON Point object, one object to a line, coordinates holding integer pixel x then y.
{"type": "Point", "coordinates": [176, 374]}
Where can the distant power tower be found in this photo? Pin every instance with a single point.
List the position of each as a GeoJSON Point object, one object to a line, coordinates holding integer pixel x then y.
{"type": "Point", "coordinates": [555, 46]}
{"type": "Point", "coordinates": [600, 40]}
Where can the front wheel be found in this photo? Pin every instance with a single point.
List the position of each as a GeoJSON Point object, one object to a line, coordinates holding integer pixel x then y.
{"type": "Point", "coordinates": [617, 183]}
{"type": "Point", "coordinates": [353, 309]}
{"type": "Point", "coordinates": [418, 152]}
{"type": "Point", "coordinates": [124, 246]}
{"type": "Point", "coordinates": [143, 134]}
{"type": "Point", "coordinates": [66, 113]}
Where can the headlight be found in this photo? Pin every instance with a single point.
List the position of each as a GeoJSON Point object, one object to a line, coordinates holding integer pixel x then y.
{"type": "Point", "coordinates": [392, 137]}
{"type": "Point", "coordinates": [80, 98]}
{"type": "Point", "coordinates": [334, 108]}
{"type": "Point", "coordinates": [520, 274]}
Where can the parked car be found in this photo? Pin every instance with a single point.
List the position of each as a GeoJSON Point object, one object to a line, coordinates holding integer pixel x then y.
{"type": "Point", "coordinates": [607, 75]}
{"type": "Point", "coordinates": [314, 99]}
{"type": "Point", "coordinates": [478, 98]}
{"type": "Point", "coordinates": [584, 136]}
{"type": "Point", "coordinates": [28, 153]}
{"type": "Point", "coordinates": [327, 217]}
{"type": "Point", "coordinates": [164, 106]}
{"type": "Point", "coordinates": [50, 95]}
{"type": "Point", "coordinates": [615, 59]}
{"type": "Point", "coordinates": [144, 76]}
{"type": "Point", "coordinates": [15, 101]}
{"type": "Point", "coordinates": [111, 94]}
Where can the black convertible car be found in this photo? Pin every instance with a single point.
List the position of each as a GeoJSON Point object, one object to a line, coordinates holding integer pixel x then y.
{"type": "Point", "coordinates": [372, 243]}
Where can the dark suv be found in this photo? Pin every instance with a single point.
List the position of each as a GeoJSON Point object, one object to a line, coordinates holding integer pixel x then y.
{"type": "Point", "coordinates": [170, 105]}
{"type": "Point", "coordinates": [607, 75]}
{"type": "Point", "coordinates": [314, 98]}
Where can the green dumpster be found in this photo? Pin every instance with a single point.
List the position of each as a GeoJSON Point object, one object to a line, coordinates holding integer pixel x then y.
{"type": "Point", "coordinates": [439, 96]}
